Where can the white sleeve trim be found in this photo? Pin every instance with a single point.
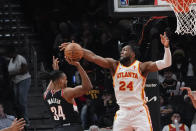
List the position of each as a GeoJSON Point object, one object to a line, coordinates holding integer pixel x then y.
{"type": "Point", "coordinates": [167, 60]}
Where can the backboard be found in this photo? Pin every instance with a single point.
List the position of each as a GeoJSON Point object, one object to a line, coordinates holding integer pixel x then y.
{"type": "Point", "coordinates": [141, 7]}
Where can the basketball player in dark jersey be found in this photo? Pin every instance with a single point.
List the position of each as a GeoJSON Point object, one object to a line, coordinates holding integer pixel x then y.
{"type": "Point", "coordinates": [60, 98]}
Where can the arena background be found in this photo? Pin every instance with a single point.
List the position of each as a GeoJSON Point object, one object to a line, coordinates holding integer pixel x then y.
{"type": "Point", "coordinates": [36, 28]}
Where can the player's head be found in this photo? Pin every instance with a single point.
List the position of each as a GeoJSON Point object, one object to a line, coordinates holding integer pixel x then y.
{"type": "Point", "coordinates": [58, 78]}
{"type": "Point", "coordinates": [128, 52]}
{"type": "Point", "coordinates": [176, 117]}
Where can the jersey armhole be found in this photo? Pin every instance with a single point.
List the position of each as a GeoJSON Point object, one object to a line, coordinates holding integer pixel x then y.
{"type": "Point", "coordinates": [139, 70]}
{"type": "Point", "coordinates": [116, 69]}
{"type": "Point", "coordinates": [62, 93]}
{"type": "Point", "coordinates": [45, 94]}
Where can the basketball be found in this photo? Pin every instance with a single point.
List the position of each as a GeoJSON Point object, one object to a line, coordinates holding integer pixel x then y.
{"type": "Point", "coordinates": [74, 52]}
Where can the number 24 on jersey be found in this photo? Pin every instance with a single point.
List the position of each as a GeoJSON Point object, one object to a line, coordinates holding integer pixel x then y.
{"type": "Point", "coordinates": [124, 86]}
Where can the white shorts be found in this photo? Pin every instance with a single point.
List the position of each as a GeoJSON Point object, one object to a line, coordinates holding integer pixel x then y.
{"type": "Point", "coordinates": [136, 119]}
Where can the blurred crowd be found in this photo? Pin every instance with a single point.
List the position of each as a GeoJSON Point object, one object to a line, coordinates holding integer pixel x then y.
{"type": "Point", "coordinates": [92, 27]}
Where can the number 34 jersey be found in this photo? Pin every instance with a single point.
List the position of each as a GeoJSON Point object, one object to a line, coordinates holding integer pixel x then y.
{"type": "Point", "coordinates": [61, 111]}
{"type": "Point", "coordinates": [129, 85]}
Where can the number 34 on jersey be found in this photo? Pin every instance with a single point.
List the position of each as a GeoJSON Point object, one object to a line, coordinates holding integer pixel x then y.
{"type": "Point", "coordinates": [58, 112]}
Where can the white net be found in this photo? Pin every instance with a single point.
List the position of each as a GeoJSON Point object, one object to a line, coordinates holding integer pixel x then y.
{"type": "Point", "coordinates": [185, 12]}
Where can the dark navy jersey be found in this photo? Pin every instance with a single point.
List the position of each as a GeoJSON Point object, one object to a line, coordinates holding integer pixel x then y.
{"type": "Point", "coordinates": [61, 111]}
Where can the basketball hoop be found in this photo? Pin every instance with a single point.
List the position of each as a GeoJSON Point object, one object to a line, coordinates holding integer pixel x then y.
{"type": "Point", "coordinates": [185, 12]}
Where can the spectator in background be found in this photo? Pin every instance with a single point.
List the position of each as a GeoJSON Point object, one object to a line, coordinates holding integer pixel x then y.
{"type": "Point", "coordinates": [88, 115]}
{"type": "Point", "coordinates": [6, 92]}
{"type": "Point", "coordinates": [110, 107]}
{"type": "Point", "coordinates": [180, 65]}
{"type": "Point", "coordinates": [165, 110]}
{"type": "Point", "coordinates": [191, 94]}
{"type": "Point", "coordinates": [21, 78]}
{"type": "Point", "coordinates": [169, 83]}
{"type": "Point", "coordinates": [63, 35]}
{"type": "Point", "coordinates": [94, 128]}
{"type": "Point", "coordinates": [5, 120]}
{"type": "Point", "coordinates": [176, 125]}
{"type": "Point", "coordinates": [193, 126]}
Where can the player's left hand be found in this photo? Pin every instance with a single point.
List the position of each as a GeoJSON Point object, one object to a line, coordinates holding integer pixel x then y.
{"type": "Point", "coordinates": [164, 40]}
{"type": "Point", "coordinates": [55, 63]}
{"type": "Point", "coordinates": [71, 62]}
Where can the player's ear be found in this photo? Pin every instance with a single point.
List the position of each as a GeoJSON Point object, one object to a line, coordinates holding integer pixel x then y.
{"type": "Point", "coordinates": [132, 54]}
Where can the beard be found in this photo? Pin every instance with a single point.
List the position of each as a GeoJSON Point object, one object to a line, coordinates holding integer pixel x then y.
{"type": "Point", "coordinates": [124, 60]}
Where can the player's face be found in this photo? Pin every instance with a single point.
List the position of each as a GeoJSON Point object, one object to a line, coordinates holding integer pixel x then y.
{"type": "Point", "coordinates": [125, 54]}
{"type": "Point", "coordinates": [175, 116]}
{"type": "Point", "coordinates": [63, 81]}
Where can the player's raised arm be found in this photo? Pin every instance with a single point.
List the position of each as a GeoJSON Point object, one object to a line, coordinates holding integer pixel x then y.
{"type": "Point", "coordinates": [150, 66]}
{"type": "Point", "coordinates": [81, 89]}
{"type": "Point", "coordinates": [92, 57]}
{"type": "Point", "coordinates": [55, 66]}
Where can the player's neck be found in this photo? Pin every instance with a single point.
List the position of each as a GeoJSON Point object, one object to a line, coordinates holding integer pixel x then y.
{"type": "Point", "coordinates": [57, 88]}
{"type": "Point", "coordinates": [128, 63]}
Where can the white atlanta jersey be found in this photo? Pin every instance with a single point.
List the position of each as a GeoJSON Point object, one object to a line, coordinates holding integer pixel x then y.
{"type": "Point", "coordinates": [129, 85]}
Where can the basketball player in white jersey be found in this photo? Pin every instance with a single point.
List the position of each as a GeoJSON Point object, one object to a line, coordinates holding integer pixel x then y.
{"type": "Point", "coordinates": [129, 77]}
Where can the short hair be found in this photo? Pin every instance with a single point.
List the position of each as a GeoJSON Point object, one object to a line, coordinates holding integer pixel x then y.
{"type": "Point", "coordinates": [54, 75]}
{"type": "Point", "coordinates": [176, 112]}
{"type": "Point", "coordinates": [134, 47]}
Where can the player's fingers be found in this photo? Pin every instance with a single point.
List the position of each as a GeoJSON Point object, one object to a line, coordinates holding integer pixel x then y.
{"type": "Point", "coordinates": [68, 60]}
{"type": "Point", "coordinates": [165, 34]}
{"type": "Point", "coordinates": [161, 36]}
{"type": "Point", "coordinates": [20, 121]}
{"type": "Point", "coordinates": [63, 48]}
{"type": "Point", "coordinates": [63, 45]}
{"type": "Point", "coordinates": [185, 88]}
{"type": "Point", "coordinates": [53, 58]}
{"type": "Point", "coordinates": [56, 60]}
{"type": "Point", "coordinates": [22, 126]}
{"type": "Point", "coordinates": [15, 119]}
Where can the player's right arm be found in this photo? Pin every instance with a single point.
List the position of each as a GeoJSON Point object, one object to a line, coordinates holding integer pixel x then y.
{"type": "Point", "coordinates": [190, 94]}
{"type": "Point", "coordinates": [107, 63]}
{"type": "Point", "coordinates": [103, 62]}
{"type": "Point", "coordinates": [80, 90]}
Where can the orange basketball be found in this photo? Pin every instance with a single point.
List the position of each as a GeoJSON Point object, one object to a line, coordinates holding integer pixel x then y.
{"type": "Point", "coordinates": [74, 52]}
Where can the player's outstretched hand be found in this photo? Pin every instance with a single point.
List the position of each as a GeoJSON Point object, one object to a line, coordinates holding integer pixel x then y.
{"type": "Point", "coordinates": [64, 45]}
{"type": "Point", "coordinates": [55, 63]}
{"type": "Point", "coordinates": [75, 63]}
{"type": "Point", "coordinates": [164, 40]}
{"type": "Point", "coordinates": [188, 90]}
{"type": "Point", "coordinates": [17, 125]}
